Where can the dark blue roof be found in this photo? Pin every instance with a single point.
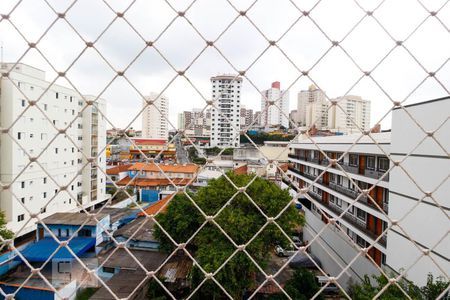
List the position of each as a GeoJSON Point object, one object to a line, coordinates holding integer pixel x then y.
{"type": "Point", "coordinates": [43, 249]}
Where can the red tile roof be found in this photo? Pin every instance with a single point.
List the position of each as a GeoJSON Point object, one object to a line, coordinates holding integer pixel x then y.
{"type": "Point", "coordinates": [187, 168]}
{"type": "Point", "coordinates": [154, 208]}
{"type": "Point", "coordinates": [118, 169]}
{"type": "Point", "coordinates": [241, 170]}
{"type": "Point", "coordinates": [147, 182]}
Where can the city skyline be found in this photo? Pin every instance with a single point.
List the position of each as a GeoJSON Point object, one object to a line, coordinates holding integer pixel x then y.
{"type": "Point", "coordinates": [398, 74]}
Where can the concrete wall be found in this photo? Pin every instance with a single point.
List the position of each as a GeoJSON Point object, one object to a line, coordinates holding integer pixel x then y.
{"type": "Point", "coordinates": [426, 226]}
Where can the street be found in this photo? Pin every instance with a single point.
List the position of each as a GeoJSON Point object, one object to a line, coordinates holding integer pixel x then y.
{"type": "Point", "coordinates": [182, 154]}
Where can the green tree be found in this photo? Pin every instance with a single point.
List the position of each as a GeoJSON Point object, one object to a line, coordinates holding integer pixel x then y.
{"type": "Point", "coordinates": [240, 219]}
{"type": "Point", "coordinates": [367, 290]}
{"type": "Point", "coordinates": [301, 286]}
{"type": "Point", "coordinates": [4, 232]}
{"type": "Point", "coordinates": [435, 288]}
{"type": "Point", "coordinates": [156, 292]}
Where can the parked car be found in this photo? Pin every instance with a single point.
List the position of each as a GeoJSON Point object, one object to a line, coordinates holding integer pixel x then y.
{"type": "Point", "coordinates": [296, 241]}
{"type": "Point", "coordinates": [330, 289]}
{"type": "Point", "coordinates": [283, 252]}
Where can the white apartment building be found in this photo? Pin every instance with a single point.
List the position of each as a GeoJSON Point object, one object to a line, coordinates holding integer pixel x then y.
{"type": "Point", "coordinates": [34, 136]}
{"type": "Point", "coordinates": [394, 193]}
{"type": "Point", "coordinates": [225, 116]}
{"type": "Point", "coordinates": [275, 115]}
{"type": "Point", "coordinates": [312, 108]}
{"type": "Point", "coordinates": [364, 222]}
{"type": "Point", "coordinates": [352, 115]}
{"type": "Point", "coordinates": [155, 116]}
{"type": "Point", "coordinates": [94, 141]}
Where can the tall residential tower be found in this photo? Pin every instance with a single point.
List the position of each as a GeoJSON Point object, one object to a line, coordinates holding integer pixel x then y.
{"type": "Point", "coordinates": [275, 115]}
{"type": "Point", "coordinates": [225, 115]}
{"type": "Point", "coordinates": [155, 116]}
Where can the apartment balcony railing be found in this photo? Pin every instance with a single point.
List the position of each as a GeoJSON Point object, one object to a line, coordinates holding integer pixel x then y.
{"type": "Point", "coordinates": [376, 174]}
{"type": "Point", "coordinates": [343, 190]}
{"type": "Point", "coordinates": [350, 168]}
{"type": "Point", "coordinates": [348, 217]}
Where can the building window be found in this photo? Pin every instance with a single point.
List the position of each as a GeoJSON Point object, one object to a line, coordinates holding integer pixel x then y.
{"type": "Point", "coordinates": [84, 233]}
{"type": "Point", "coordinates": [59, 232]}
{"type": "Point", "coordinates": [64, 267]}
{"type": "Point", "coordinates": [360, 241]}
{"type": "Point", "coordinates": [20, 218]}
{"type": "Point", "coordinates": [351, 210]}
{"type": "Point", "coordinates": [56, 150]}
{"type": "Point", "coordinates": [57, 95]}
{"type": "Point", "coordinates": [44, 180]}
{"type": "Point", "coordinates": [383, 164]}
{"type": "Point", "coordinates": [338, 202]}
{"type": "Point", "coordinates": [361, 214]}
{"type": "Point", "coordinates": [19, 135]}
{"type": "Point", "coordinates": [353, 160]}
{"type": "Point", "coordinates": [22, 199]}
{"type": "Point", "coordinates": [23, 103]}
{"type": "Point", "coordinates": [108, 270]}
{"type": "Point", "coordinates": [67, 232]}
{"type": "Point", "coordinates": [44, 195]}
{"type": "Point", "coordinates": [22, 184]}
{"type": "Point", "coordinates": [370, 162]}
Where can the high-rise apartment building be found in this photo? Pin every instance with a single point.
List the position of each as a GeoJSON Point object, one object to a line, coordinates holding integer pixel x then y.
{"type": "Point", "coordinates": [398, 194]}
{"type": "Point", "coordinates": [155, 116]}
{"type": "Point", "coordinates": [278, 114]}
{"type": "Point", "coordinates": [352, 115]}
{"type": "Point", "coordinates": [58, 162]}
{"type": "Point", "coordinates": [312, 108]}
{"type": "Point", "coordinates": [225, 115]}
{"type": "Point", "coordinates": [246, 117]}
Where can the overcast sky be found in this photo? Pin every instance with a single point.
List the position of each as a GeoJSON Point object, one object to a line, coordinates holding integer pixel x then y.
{"type": "Point", "coordinates": [399, 74]}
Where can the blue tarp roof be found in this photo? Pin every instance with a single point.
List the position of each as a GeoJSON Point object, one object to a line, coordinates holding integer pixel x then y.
{"type": "Point", "coordinates": [41, 250]}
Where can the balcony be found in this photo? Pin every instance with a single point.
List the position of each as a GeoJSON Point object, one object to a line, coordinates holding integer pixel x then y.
{"type": "Point", "coordinates": [348, 217]}
{"type": "Point", "coordinates": [376, 174]}
{"type": "Point", "coordinates": [350, 168]}
{"type": "Point", "coordinates": [343, 190]}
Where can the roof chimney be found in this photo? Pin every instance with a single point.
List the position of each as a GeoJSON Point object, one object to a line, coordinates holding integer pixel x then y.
{"type": "Point", "coordinates": [276, 85]}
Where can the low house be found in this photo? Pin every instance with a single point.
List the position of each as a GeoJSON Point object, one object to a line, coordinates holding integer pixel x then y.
{"type": "Point", "coordinates": [122, 272]}
{"type": "Point", "coordinates": [64, 225]}
{"type": "Point", "coordinates": [116, 173]}
{"type": "Point", "coordinates": [152, 180]}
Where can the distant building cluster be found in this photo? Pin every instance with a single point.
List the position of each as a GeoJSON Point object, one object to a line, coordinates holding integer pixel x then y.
{"type": "Point", "coordinates": [349, 114]}
{"type": "Point", "coordinates": [218, 126]}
